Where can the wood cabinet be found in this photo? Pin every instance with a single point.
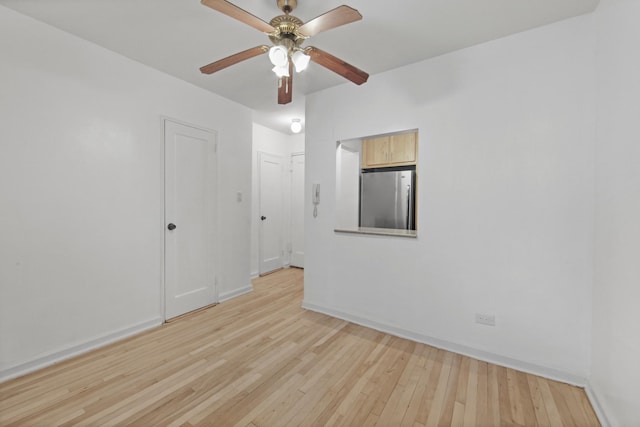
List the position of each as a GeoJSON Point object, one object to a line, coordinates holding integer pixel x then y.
{"type": "Point", "coordinates": [390, 150]}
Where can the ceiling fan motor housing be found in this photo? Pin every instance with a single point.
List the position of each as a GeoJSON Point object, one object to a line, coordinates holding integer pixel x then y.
{"type": "Point", "coordinates": [286, 30]}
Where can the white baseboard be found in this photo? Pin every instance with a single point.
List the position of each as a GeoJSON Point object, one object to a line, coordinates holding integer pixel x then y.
{"type": "Point", "coordinates": [76, 349]}
{"type": "Point", "coordinates": [68, 352]}
{"type": "Point", "coordinates": [596, 403]}
{"type": "Point", "coordinates": [256, 274]}
{"type": "Point", "coordinates": [226, 296]}
{"type": "Point", "coordinates": [485, 356]}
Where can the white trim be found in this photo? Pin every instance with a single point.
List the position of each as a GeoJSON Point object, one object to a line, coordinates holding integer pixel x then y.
{"type": "Point", "coordinates": [254, 275]}
{"type": "Point", "coordinates": [236, 293]}
{"type": "Point", "coordinates": [290, 243]}
{"type": "Point", "coordinates": [77, 349]}
{"type": "Point", "coordinates": [550, 373]}
{"type": "Point", "coordinates": [596, 403]}
{"type": "Point", "coordinates": [189, 124]}
{"type": "Point", "coordinates": [163, 223]}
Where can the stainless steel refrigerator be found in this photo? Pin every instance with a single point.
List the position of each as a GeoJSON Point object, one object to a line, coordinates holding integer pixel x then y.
{"type": "Point", "coordinates": [387, 199]}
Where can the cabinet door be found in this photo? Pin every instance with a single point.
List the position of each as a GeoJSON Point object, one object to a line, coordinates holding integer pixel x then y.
{"type": "Point", "coordinates": [375, 152]}
{"type": "Point", "coordinates": [403, 149]}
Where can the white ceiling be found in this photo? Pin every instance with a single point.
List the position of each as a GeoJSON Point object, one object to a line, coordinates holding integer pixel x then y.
{"type": "Point", "coordinates": [179, 36]}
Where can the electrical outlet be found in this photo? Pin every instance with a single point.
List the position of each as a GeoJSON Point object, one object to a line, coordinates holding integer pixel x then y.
{"type": "Point", "coordinates": [486, 319]}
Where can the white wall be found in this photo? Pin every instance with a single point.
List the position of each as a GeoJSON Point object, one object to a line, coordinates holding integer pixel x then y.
{"type": "Point", "coordinates": [616, 310]}
{"type": "Point", "coordinates": [270, 141]}
{"type": "Point", "coordinates": [81, 191]}
{"type": "Point", "coordinates": [505, 209]}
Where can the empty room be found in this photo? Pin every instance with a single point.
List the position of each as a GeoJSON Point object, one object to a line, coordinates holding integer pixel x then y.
{"type": "Point", "coordinates": [281, 212]}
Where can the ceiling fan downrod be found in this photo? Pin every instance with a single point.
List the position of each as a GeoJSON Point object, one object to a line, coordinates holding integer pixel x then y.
{"type": "Point", "coordinates": [287, 6]}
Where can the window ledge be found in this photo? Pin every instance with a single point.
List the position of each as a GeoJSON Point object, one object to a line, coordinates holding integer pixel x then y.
{"type": "Point", "coordinates": [378, 231]}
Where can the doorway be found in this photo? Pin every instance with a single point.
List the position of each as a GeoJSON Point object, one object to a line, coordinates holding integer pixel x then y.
{"type": "Point", "coordinates": [190, 218]}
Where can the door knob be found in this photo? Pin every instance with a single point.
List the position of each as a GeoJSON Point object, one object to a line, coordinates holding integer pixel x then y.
{"type": "Point", "coordinates": [263, 217]}
{"type": "Point", "coordinates": [171, 226]}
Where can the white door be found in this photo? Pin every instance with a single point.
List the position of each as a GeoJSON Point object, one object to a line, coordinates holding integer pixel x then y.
{"type": "Point", "coordinates": [190, 218]}
{"type": "Point", "coordinates": [271, 212]}
{"type": "Point", "coordinates": [297, 210]}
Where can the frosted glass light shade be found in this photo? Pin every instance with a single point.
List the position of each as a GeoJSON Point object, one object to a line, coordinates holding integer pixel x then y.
{"type": "Point", "coordinates": [281, 71]}
{"type": "Point", "coordinates": [279, 56]}
{"type": "Point", "coordinates": [300, 60]}
{"type": "Point", "coordinates": [296, 126]}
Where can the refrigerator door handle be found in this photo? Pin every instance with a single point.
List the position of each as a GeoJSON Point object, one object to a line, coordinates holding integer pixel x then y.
{"type": "Point", "coordinates": [411, 211]}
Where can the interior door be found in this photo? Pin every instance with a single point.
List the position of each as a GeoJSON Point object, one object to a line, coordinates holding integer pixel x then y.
{"type": "Point", "coordinates": [190, 218]}
{"type": "Point", "coordinates": [297, 210]}
{"type": "Point", "coordinates": [271, 212]}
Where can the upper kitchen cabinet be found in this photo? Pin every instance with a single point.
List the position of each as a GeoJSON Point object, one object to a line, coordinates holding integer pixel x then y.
{"type": "Point", "coordinates": [390, 150]}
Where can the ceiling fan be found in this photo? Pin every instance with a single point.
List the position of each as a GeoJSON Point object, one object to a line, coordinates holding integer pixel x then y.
{"type": "Point", "coordinates": [287, 33]}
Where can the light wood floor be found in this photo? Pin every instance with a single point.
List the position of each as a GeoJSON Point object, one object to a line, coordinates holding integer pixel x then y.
{"type": "Point", "coordinates": [261, 360]}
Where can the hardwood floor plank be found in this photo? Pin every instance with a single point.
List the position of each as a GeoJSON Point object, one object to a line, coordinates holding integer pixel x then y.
{"type": "Point", "coordinates": [526, 400]}
{"type": "Point", "coordinates": [581, 397]}
{"type": "Point", "coordinates": [553, 412]}
{"type": "Point", "coordinates": [517, 413]}
{"type": "Point", "coordinates": [493, 395]}
{"type": "Point", "coordinates": [353, 402]}
{"type": "Point", "coordinates": [395, 407]}
{"type": "Point", "coordinates": [438, 401]}
{"type": "Point", "coordinates": [457, 419]}
{"type": "Point", "coordinates": [423, 373]}
{"type": "Point", "coordinates": [538, 402]}
{"type": "Point", "coordinates": [461, 391]}
{"type": "Point", "coordinates": [563, 407]}
{"type": "Point", "coordinates": [449, 402]}
{"type": "Point", "coordinates": [261, 360]}
{"type": "Point", "coordinates": [471, 404]}
{"type": "Point", "coordinates": [483, 407]}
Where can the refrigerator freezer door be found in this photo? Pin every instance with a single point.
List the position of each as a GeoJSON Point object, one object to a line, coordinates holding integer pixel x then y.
{"type": "Point", "coordinates": [386, 199]}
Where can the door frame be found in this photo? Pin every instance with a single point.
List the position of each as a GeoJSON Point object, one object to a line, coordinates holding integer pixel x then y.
{"type": "Point", "coordinates": [163, 219]}
{"type": "Point", "coordinates": [291, 156]}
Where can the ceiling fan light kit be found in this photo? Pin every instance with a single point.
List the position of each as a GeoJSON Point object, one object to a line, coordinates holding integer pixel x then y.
{"type": "Point", "coordinates": [287, 33]}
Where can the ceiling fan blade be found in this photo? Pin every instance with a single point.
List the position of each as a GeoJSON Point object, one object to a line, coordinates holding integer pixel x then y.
{"type": "Point", "coordinates": [337, 65]}
{"type": "Point", "coordinates": [341, 15]}
{"type": "Point", "coordinates": [285, 89]}
{"type": "Point", "coordinates": [241, 15]}
{"type": "Point", "coordinates": [233, 59]}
